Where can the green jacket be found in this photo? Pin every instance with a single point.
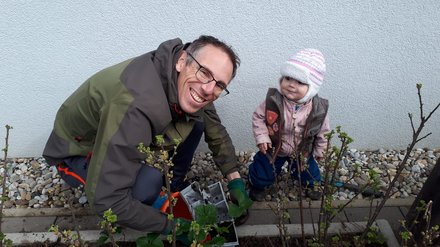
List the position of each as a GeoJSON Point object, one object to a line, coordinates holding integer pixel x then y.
{"type": "Point", "coordinates": [115, 110]}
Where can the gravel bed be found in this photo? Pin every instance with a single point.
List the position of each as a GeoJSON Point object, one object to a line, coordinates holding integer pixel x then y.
{"type": "Point", "coordinates": [32, 183]}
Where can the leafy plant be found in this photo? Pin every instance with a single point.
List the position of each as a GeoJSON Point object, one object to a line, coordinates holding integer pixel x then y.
{"type": "Point", "coordinates": [108, 225]}
{"type": "Point", "coordinates": [66, 236]}
{"type": "Point", "coordinates": [151, 240]}
{"type": "Point", "coordinates": [332, 159]}
{"type": "Point", "coordinates": [161, 160]}
{"type": "Point", "coordinates": [4, 240]}
{"type": "Point", "coordinates": [204, 230]}
{"type": "Point", "coordinates": [204, 226]}
{"type": "Point", "coordinates": [429, 233]}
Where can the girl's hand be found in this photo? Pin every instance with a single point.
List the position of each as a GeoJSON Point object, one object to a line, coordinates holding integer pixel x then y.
{"type": "Point", "coordinates": [264, 146]}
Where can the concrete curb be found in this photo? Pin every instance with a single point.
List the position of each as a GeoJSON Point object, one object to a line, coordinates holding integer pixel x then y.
{"type": "Point", "coordinates": [28, 225]}
{"type": "Point", "coordinates": [361, 203]}
{"type": "Point", "coordinates": [242, 231]}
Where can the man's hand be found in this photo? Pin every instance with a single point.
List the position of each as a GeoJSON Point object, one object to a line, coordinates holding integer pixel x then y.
{"type": "Point", "coordinates": [239, 197]}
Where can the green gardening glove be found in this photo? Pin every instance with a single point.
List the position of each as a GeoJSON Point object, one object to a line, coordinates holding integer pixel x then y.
{"type": "Point", "coordinates": [240, 199]}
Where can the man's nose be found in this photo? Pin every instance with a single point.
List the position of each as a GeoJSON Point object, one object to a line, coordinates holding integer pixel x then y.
{"type": "Point", "coordinates": [209, 87]}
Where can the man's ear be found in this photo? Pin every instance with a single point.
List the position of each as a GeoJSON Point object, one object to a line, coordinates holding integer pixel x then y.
{"type": "Point", "coordinates": [181, 61]}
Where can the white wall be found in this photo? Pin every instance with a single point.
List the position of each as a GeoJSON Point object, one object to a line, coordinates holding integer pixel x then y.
{"type": "Point", "coordinates": [376, 52]}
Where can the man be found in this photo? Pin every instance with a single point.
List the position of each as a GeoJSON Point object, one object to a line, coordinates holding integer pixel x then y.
{"type": "Point", "coordinates": [168, 91]}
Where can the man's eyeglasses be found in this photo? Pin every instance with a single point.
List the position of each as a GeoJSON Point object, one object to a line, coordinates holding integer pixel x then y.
{"type": "Point", "coordinates": [205, 76]}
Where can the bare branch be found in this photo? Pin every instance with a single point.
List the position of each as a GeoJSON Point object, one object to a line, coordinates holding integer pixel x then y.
{"type": "Point", "coordinates": [421, 138]}
{"type": "Point", "coordinates": [402, 163]}
{"type": "Point", "coordinates": [420, 102]}
{"type": "Point", "coordinates": [412, 123]}
{"type": "Point", "coordinates": [430, 114]}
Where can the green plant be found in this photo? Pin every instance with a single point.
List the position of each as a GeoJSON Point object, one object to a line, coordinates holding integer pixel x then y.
{"type": "Point", "coordinates": [429, 233]}
{"type": "Point", "coordinates": [204, 230]}
{"type": "Point", "coordinates": [374, 236]}
{"type": "Point", "coordinates": [3, 239]}
{"type": "Point", "coordinates": [405, 236]}
{"type": "Point", "coordinates": [332, 158]}
{"type": "Point", "coordinates": [108, 225]}
{"type": "Point", "coordinates": [204, 226]}
{"type": "Point", "coordinates": [150, 240]}
{"type": "Point", "coordinates": [66, 236]}
{"type": "Point", "coordinates": [161, 160]}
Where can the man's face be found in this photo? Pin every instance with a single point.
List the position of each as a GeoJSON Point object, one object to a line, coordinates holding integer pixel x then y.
{"type": "Point", "coordinates": [192, 93]}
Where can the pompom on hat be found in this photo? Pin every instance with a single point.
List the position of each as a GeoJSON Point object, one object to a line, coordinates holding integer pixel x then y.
{"type": "Point", "coordinates": [306, 66]}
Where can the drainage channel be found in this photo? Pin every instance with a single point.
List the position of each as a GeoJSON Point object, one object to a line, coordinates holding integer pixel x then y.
{"type": "Point", "coordinates": [31, 225]}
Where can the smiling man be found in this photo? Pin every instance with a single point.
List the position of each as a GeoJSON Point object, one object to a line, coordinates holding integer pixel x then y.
{"type": "Point", "coordinates": [168, 91]}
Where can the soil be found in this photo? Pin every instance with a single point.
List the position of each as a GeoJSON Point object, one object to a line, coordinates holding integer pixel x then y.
{"type": "Point", "coordinates": [276, 241]}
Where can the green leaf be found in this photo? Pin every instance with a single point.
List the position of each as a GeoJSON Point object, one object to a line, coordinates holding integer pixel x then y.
{"type": "Point", "coordinates": [151, 240]}
{"type": "Point", "coordinates": [142, 242]}
{"type": "Point", "coordinates": [222, 229]}
{"type": "Point", "coordinates": [8, 243]}
{"type": "Point", "coordinates": [118, 229]}
{"type": "Point", "coordinates": [102, 239]}
{"type": "Point", "coordinates": [183, 227]}
{"type": "Point", "coordinates": [216, 241]}
{"type": "Point", "coordinates": [206, 214]}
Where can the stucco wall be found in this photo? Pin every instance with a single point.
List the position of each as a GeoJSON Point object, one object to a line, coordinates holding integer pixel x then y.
{"type": "Point", "coordinates": [376, 52]}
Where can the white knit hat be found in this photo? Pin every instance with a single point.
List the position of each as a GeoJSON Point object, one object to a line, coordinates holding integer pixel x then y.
{"type": "Point", "coordinates": [306, 66]}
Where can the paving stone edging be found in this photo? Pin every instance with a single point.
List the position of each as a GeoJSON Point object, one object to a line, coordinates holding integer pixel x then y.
{"type": "Point", "coordinates": [242, 231]}
{"type": "Point", "coordinates": [361, 203]}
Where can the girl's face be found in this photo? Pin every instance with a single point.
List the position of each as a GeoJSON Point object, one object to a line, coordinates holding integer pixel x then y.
{"type": "Point", "coordinates": [293, 89]}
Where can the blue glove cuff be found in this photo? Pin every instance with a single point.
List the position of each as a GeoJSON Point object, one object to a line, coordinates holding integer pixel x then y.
{"type": "Point", "coordinates": [159, 201]}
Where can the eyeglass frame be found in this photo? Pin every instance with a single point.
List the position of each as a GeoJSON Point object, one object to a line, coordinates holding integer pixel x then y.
{"type": "Point", "coordinates": [217, 83]}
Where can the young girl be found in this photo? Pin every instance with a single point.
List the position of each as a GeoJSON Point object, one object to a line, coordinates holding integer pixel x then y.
{"type": "Point", "coordinates": [291, 121]}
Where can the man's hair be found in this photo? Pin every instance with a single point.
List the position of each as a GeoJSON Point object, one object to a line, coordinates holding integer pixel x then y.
{"type": "Point", "coordinates": [205, 40]}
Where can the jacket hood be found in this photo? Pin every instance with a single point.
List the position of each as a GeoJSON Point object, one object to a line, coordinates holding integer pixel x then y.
{"type": "Point", "coordinates": [165, 58]}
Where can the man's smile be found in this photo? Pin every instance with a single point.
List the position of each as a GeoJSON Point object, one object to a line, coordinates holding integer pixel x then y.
{"type": "Point", "coordinates": [196, 97]}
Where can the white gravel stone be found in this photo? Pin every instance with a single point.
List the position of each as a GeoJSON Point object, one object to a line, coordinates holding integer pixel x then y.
{"type": "Point", "coordinates": [33, 183]}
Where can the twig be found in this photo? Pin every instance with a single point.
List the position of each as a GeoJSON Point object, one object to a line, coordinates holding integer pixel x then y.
{"type": "Point", "coordinates": [423, 137]}
{"type": "Point", "coordinates": [412, 123]}
{"type": "Point", "coordinates": [75, 222]}
{"type": "Point", "coordinates": [5, 176]}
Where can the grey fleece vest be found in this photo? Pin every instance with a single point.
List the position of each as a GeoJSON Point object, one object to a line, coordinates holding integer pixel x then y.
{"type": "Point", "coordinates": [275, 120]}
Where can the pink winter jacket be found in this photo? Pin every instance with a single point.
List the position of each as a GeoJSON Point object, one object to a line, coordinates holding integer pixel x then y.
{"type": "Point", "coordinates": [291, 116]}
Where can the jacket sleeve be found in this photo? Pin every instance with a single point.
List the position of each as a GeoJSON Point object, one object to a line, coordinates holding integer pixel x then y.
{"type": "Point", "coordinates": [115, 164]}
{"type": "Point", "coordinates": [259, 127]}
{"type": "Point", "coordinates": [219, 141]}
{"type": "Point", "coordinates": [320, 140]}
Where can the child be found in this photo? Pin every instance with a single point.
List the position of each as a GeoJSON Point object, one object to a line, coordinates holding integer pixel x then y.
{"type": "Point", "coordinates": [293, 118]}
